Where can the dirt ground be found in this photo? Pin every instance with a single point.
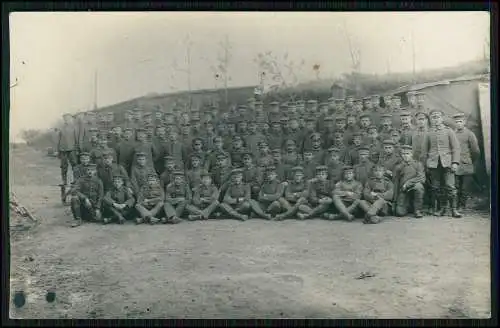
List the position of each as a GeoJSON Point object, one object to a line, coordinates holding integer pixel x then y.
{"type": "Point", "coordinates": [429, 268]}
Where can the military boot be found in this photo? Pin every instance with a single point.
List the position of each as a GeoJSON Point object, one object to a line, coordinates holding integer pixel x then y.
{"type": "Point", "coordinates": [444, 206]}
{"type": "Point", "coordinates": [434, 205]}
{"type": "Point", "coordinates": [454, 203]}
{"type": "Point", "coordinates": [63, 193]}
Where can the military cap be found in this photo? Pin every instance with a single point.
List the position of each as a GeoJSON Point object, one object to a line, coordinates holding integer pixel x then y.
{"type": "Point", "coordinates": [351, 114]}
{"type": "Point", "coordinates": [140, 154]}
{"type": "Point", "coordinates": [458, 116]}
{"type": "Point", "coordinates": [284, 106]}
{"type": "Point", "coordinates": [388, 142]}
{"type": "Point", "coordinates": [140, 130]}
{"type": "Point", "coordinates": [340, 118]}
{"type": "Point", "coordinates": [205, 173]}
{"type": "Point", "coordinates": [168, 158]}
{"type": "Point", "coordinates": [395, 131]}
{"type": "Point", "coordinates": [300, 102]}
{"type": "Point", "coordinates": [333, 149]}
{"type": "Point", "coordinates": [366, 98]}
{"type": "Point", "coordinates": [331, 99]}
{"type": "Point", "coordinates": [290, 141]}
{"type": "Point", "coordinates": [375, 97]}
{"type": "Point", "coordinates": [432, 111]}
{"type": "Point", "coordinates": [284, 119]}
{"type": "Point", "coordinates": [323, 104]}
{"type": "Point", "coordinates": [127, 129]}
{"type": "Point", "coordinates": [372, 127]}
{"type": "Point", "coordinates": [338, 133]}
{"type": "Point", "coordinates": [118, 176]}
{"type": "Point", "coordinates": [178, 173]}
{"type": "Point", "coordinates": [197, 139]}
{"type": "Point", "coordinates": [245, 107]}
{"type": "Point", "coordinates": [195, 156]}
{"type": "Point", "coordinates": [262, 142]}
{"type": "Point", "coordinates": [93, 129]}
{"type": "Point", "coordinates": [347, 168]}
{"type": "Point", "coordinates": [237, 171]}
{"type": "Point", "coordinates": [419, 113]}
{"type": "Point", "coordinates": [297, 169]}
{"type": "Point", "coordinates": [246, 153]}
{"type": "Point", "coordinates": [237, 137]}
{"type": "Point", "coordinates": [321, 168]}
{"type": "Point", "coordinates": [364, 115]}
{"type": "Point", "coordinates": [328, 118]}
{"type": "Point", "coordinates": [310, 118]}
{"type": "Point", "coordinates": [312, 101]}
{"type": "Point", "coordinates": [357, 134]}
{"type": "Point", "coordinates": [221, 155]}
{"type": "Point", "coordinates": [404, 113]}
{"type": "Point", "coordinates": [276, 151]}
{"type": "Point", "coordinates": [258, 102]}
{"type": "Point", "coordinates": [146, 114]}
{"type": "Point", "coordinates": [386, 115]}
{"type": "Point", "coordinates": [270, 168]}
{"type": "Point", "coordinates": [316, 135]}
{"type": "Point", "coordinates": [91, 166]}
{"type": "Point", "coordinates": [349, 97]}
{"type": "Point", "coordinates": [84, 154]}
{"type": "Point", "coordinates": [275, 121]}
{"type": "Point", "coordinates": [91, 113]}
{"type": "Point", "coordinates": [406, 147]}
{"type": "Point", "coordinates": [364, 149]}
{"type": "Point", "coordinates": [108, 153]}
{"type": "Point", "coordinates": [274, 103]}
{"type": "Point", "coordinates": [339, 101]}
{"type": "Point", "coordinates": [152, 176]}
{"type": "Point", "coordinates": [103, 133]}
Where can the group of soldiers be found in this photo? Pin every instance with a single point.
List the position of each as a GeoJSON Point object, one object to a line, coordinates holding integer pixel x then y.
{"type": "Point", "coordinates": [339, 159]}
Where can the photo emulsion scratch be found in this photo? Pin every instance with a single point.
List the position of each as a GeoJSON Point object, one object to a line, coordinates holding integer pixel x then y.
{"type": "Point", "coordinates": [249, 165]}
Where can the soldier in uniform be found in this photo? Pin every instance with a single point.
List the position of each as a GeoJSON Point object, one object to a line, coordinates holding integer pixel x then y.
{"type": "Point", "coordinates": [128, 120]}
{"type": "Point", "coordinates": [143, 146]}
{"type": "Point", "coordinates": [334, 164]}
{"type": "Point", "coordinates": [160, 147]}
{"type": "Point", "coordinates": [347, 194]}
{"type": "Point", "coordinates": [170, 166]}
{"type": "Point", "coordinates": [217, 148]}
{"type": "Point", "coordinates": [67, 149]}
{"type": "Point", "coordinates": [418, 136]}
{"type": "Point", "coordinates": [205, 199]}
{"type": "Point", "coordinates": [351, 128]}
{"type": "Point", "coordinates": [271, 193]}
{"type": "Point", "coordinates": [118, 202]}
{"type": "Point", "coordinates": [385, 129]}
{"type": "Point", "coordinates": [251, 174]}
{"type": "Point", "coordinates": [293, 132]}
{"type": "Point", "coordinates": [150, 200]}
{"type": "Point", "coordinates": [222, 174]}
{"type": "Point", "coordinates": [175, 149]}
{"type": "Point", "coordinates": [469, 153]}
{"type": "Point", "coordinates": [79, 170]}
{"type": "Point", "coordinates": [341, 145]}
{"type": "Point", "coordinates": [92, 142]}
{"type": "Point", "coordinates": [96, 154]}
{"type": "Point", "coordinates": [373, 142]}
{"type": "Point", "coordinates": [348, 104]}
{"type": "Point", "coordinates": [396, 111]}
{"type": "Point", "coordinates": [363, 170]}
{"type": "Point", "coordinates": [265, 157]}
{"type": "Point", "coordinates": [296, 195]}
{"type": "Point", "coordinates": [108, 169]}
{"type": "Point", "coordinates": [442, 150]}
{"type": "Point", "coordinates": [409, 177]}
{"type": "Point", "coordinates": [196, 149]}
{"type": "Point", "coordinates": [376, 110]}
{"type": "Point", "coordinates": [365, 123]}
{"type": "Point", "coordinates": [140, 172]}
{"type": "Point", "coordinates": [278, 164]}
{"type": "Point", "coordinates": [253, 138]}
{"type": "Point", "coordinates": [309, 130]}
{"type": "Point", "coordinates": [378, 193]}
{"type": "Point", "coordinates": [354, 149]}
{"type": "Point", "coordinates": [309, 165]}
{"type": "Point", "coordinates": [177, 196]}
{"type": "Point", "coordinates": [320, 195]}
{"type": "Point", "coordinates": [87, 197]}
{"type": "Point", "coordinates": [237, 150]}
{"type": "Point", "coordinates": [396, 137]}
{"type": "Point", "coordinates": [237, 202]}
{"type": "Point", "coordinates": [291, 158]}
{"type": "Point", "coordinates": [357, 107]}
{"type": "Point", "coordinates": [388, 158]}
{"type": "Point", "coordinates": [387, 103]}
{"type": "Point", "coordinates": [406, 128]}
{"type": "Point", "coordinates": [115, 137]}
{"type": "Point", "coordinates": [327, 130]}
{"type": "Point", "coordinates": [193, 174]}
{"type": "Point", "coordinates": [317, 149]}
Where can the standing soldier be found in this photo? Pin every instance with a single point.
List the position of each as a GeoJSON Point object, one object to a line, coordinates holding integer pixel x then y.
{"type": "Point", "coordinates": [309, 165]}
{"type": "Point", "coordinates": [278, 164]}
{"type": "Point", "coordinates": [442, 150]}
{"type": "Point", "coordinates": [418, 137]}
{"type": "Point", "coordinates": [205, 199]}
{"type": "Point", "coordinates": [373, 143]}
{"type": "Point", "coordinates": [409, 178]}
{"type": "Point", "coordinates": [158, 119]}
{"type": "Point", "coordinates": [348, 104]}
{"type": "Point", "coordinates": [310, 129]}
{"type": "Point", "coordinates": [102, 123]}
{"type": "Point", "coordinates": [351, 127]}
{"type": "Point", "coordinates": [97, 154]}
{"type": "Point", "coordinates": [128, 121]}
{"type": "Point", "coordinates": [167, 176]}
{"type": "Point", "coordinates": [271, 194]}
{"type": "Point", "coordinates": [385, 129]}
{"type": "Point", "coordinates": [378, 193]}
{"type": "Point", "coordinates": [108, 169]}
{"type": "Point", "coordinates": [186, 138]}
{"type": "Point", "coordinates": [217, 148]}
{"type": "Point", "coordinates": [110, 120]}
{"type": "Point", "coordinates": [125, 150]}
{"type": "Point", "coordinates": [353, 154]}
{"type": "Point", "coordinates": [316, 149]}
{"type": "Point", "coordinates": [469, 153]}
{"type": "Point", "coordinates": [376, 110]}
{"type": "Point", "coordinates": [92, 142]}
{"type": "Point", "coordinates": [193, 174]}
{"type": "Point", "coordinates": [291, 158]}
{"type": "Point", "coordinates": [177, 197]}
{"type": "Point", "coordinates": [87, 197]}
{"type": "Point", "coordinates": [140, 172]}
{"type": "Point", "coordinates": [265, 157]}
{"type": "Point", "coordinates": [334, 164]}
{"type": "Point", "coordinates": [327, 129]}
{"type": "Point", "coordinates": [363, 170]}
{"type": "Point", "coordinates": [150, 200]}
{"type": "Point", "coordinates": [253, 138]}
{"type": "Point", "coordinates": [221, 176]}
{"type": "Point", "coordinates": [118, 202]}
{"type": "Point", "coordinates": [160, 147]}
{"type": "Point", "coordinates": [388, 158]}
{"type": "Point", "coordinates": [143, 146]}
{"type": "Point", "coordinates": [320, 195]}
{"type": "Point", "coordinates": [347, 194]}
{"type": "Point", "coordinates": [251, 174]}
{"type": "Point", "coordinates": [209, 135]}
{"type": "Point", "coordinates": [406, 128]}
{"type": "Point", "coordinates": [365, 123]}
{"type": "Point", "coordinates": [175, 149]}
{"type": "Point", "coordinates": [387, 103]}
{"type": "Point", "coordinates": [296, 195]}
{"type": "Point", "coordinates": [237, 150]}
{"type": "Point", "coordinates": [396, 110]}
{"type": "Point", "coordinates": [67, 150]}
{"type": "Point", "coordinates": [341, 145]}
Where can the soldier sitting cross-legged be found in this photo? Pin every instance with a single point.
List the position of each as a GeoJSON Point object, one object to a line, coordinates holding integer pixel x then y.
{"type": "Point", "coordinates": [177, 197]}
{"type": "Point", "coordinates": [347, 194]}
{"type": "Point", "coordinates": [378, 193]}
{"type": "Point", "coordinates": [87, 197]}
{"type": "Point", "coordinates": [271, 194]}
{"type": "Point", "coordinates": [296, 195]}
{"type": "Point", "coordinates": [150, 200]}
{"type": "Point", "coordinates": [320, 195]}
{"type": "Point", "coordinates": [118, 202]}
{"type": "Point", "coordinates": [205, 199]}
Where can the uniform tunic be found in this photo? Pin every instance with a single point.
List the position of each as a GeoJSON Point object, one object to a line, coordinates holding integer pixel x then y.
{"type": "Point", "coordinates": [381, 186]}
{"type": "Point", "coordinates": [211, 192]}
{"type": "Point", "coordinates": [125, 152]}
{"type": "Point", "coordinates": [409, 173]}
{"type": "Point", "coordinates": [144, 147]}
{"type": "Point", "coordinates": [68, 139]}
{"type": "Point", "coordinates": [294, 191]}
{"type": "Point", "coordinates": [406, 135]}
{"type": "Point", "coordinates": [166, 177]}
{"type": "Point", "coordinates": [106, 174]}
{"type": "Point", "coordinates": [152, 193]}
{"type": "Point", "coordinates": [291, 160]}
{"type": "Point", "coordinates": [194, 177]}
{"type": "Point", "coordinates": [417, 143]}
{"type": "Point", "coordinates": [241, 191]}
{"type": "Point", "coordinates": [320, 189]}
{"type": "Point", "coordinates": [271, 191]}
{"type": "Point", "coordinates": [309, 170]}
{"type": "Point", "coordinates": [362, 171]}
{"type": "Point", "coordinates": [121, 196]}
{"type": "Point", "coordinates": [441, 144]}
{"type": "Point", "coordinates": [175, 191]}
{"type": "Point", "coordinates": [91, 188]}
{"type": "Point", "coordinates": [96, 155]}
{"type": "Point", "coordinates": [344, 186]}
{"type": "Point", "coordinates": [139, 177]}
{"type": "Point", "coordinates": [389, 161]}
{"type": "Point", "coordinates": [469, 151]}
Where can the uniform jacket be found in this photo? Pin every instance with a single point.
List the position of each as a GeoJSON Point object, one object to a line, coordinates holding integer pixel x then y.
{"type": "Point", "coordinates": [125, 152]}
{"type": "Point", "coordinates": [211, 192]}
{"type": "Point", "coordinates": [441, 143]}
{"type": "Point", "coordinates": [221, 175]}
{"type": "Point", "coordinates": [139, 177]}
{"type": "Point", "coordinates": [406, 135]}
{"type": "Point", "coordinates": [294, 191]}
{"type": "Point", "coordinates": [193, 177]}
{"type": "Point", "coordinates": [96, 154]}
{"type": "Point", "coordinates": [173, 191]}
{"type": "Point", "coordinates": [319, 189]}
{"type": "Point", "coordinates": [106, 174]}
{"type": "Point", "coordinates": [68, 139]}
{"type": "Point", "coordinates": [409, 173]}
{"type": "Point", "coordinates": [166, 177]}
{"type": "Point", "coordinates": [344, 186]}
{"type": "Point", "coordinates": [469, 151]}
{"type": "Point", "coordinates": [382, 186]}
{"type": "Point", "coordinates": [271, 191]}
{"type": "Point", "coordinates": [120, 196]}
{"type": "Point", "coordinates": [389, 161]}
{"type": "Point", "coordinates": [417, 143]}
{"type": "Point", "coordinates": [91, 188]}
{"type": "Point", "coordinates": [335, 171]}
{"type": "Point", "coordinates": [145, 147]}
{"type": "Point", "coordinates": [154, 194]}
{"type": "Point", "coordinates": [234, 191]}
{"type": "Point", "coordinates": [362, 171]}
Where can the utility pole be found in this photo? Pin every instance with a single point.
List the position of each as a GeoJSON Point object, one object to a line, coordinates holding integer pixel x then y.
{"type": "Point", "coordinates": [95, 89]}
{"type": "Point", "coordinates": [226, 59]}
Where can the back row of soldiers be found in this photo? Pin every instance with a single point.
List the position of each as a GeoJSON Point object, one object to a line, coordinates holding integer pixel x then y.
{"type": "Point", "coordinates": [360, 134]}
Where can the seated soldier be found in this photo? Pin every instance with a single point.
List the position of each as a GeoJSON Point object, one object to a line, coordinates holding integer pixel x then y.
{"type": "Point", "coordinates": [86, 200]}
{"type": "Point", "coordinates": [373, 143]}
{"type": "Point", "coordinates": [291, 158]}
{"type": "Point", "coordinates": [320, 192]}
{"type": "Point", "coordinates": [118, 202]}
{"type": "Point", "coordinates": [265, 158]}
{"type": "Point", "coordinates": [218, 147]}
{"type": "Point", "coordinates": [309, 165]}
{"type": "Point", "coordinates": [278, 164]}
{"type": "Point", "coordinates": [205, 199]}
{"type": "Point", "coordinates": [221, 176]}
{"type": "Point", "coordinates": [237, 202]}
{"type": "Point", "coordinates": [251, 174]}
{"type": "Point", "coordinates": [78, 172]}
{"type": "Point", "coordinates": [140, 171]}
{"type": "Point", "coordinates": [409, 177]}
{"type": "Point", "coordinates": [296, 195]}
{"type": "Point", "coordinates": [334, 164]}
{"type": "Point", "coordinates": [108, 169]}
{"type": "Point", "coordinates": [388, 159]}
{"type": "Point", "coordinates": [378, 193]}
{"type": "Point", "coordinates": [170, 167]}
{"type": "Point", "coordinates": [177, 197]}
{"type": "Point", "coordinates": [271, 194]}
{"type": "Point", "coordinates": [193, 175]}
{"type": "Point", "coordinates": [347, 194]}
{"type": "Point", "coordinates": [237, 150]}
{"type": "Point", "coordinates": [150, 200]}
{"type": "Point", "coordinates": [196, 149]}
{"type": "Point", "coordinates": [363, 170]}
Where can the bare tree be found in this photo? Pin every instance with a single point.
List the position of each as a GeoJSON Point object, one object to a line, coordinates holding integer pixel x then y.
{"type": "Point", "coordinates": [186, 67]}
{"type": "Point", "coordinates": [355, 55]}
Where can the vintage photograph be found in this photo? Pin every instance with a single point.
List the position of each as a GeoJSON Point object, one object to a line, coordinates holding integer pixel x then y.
{"type": "Point", "coordinates": [177, 165]}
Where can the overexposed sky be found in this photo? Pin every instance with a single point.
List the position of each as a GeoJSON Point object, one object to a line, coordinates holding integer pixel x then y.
{"type": "Point", "coordinates": [54, 55]}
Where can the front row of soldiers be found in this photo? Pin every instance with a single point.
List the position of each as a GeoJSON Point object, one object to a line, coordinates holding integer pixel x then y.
{"type": "Point", "coordinates": [105, 192]}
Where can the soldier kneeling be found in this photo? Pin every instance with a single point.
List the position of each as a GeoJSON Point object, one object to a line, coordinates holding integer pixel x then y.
{"type": "Point", "coordinates": [87, 197]}
{"type": "Point", "coordinates": [205, 199]}
{"type": "Point", "coordinates": [118, 202]}
{"type": "Point", "coordinates": [378, 193]}
{"type": "Point", "coordinates": [150, 201]}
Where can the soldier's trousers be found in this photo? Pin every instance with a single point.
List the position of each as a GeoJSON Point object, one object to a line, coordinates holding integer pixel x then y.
{"type": "Point", "coordinates": [175, 210]}
{"type": "Point", "coordinates": [442, 178]}
{"type": "Point", "coordinates": [274, 207]}
{"type": "Point", "coordinates": [301, 206]}
{"type": "Point", "coordinates": [148, 211]}
{"type": "Point", "coordinates": [81, 212]}
{"type": "Point", "coordinates": [203, 209]}
{"type": "Point", "coordinates": [114, 213]}
{"type": "Point", "coordinates": [403, 199]}
{"type": "Point", "coordinates": [243, 208]}
{"type": "Point", "coordinates": [345, 206]}
{"type": "Point", "coordinates": [464, 182]}
{"type": "Point", "coordinates": [378, 206]}
{"type": "Point", "coordinates": [320, 209]}
{"type": "Point", "coordinates": [67, 158]}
